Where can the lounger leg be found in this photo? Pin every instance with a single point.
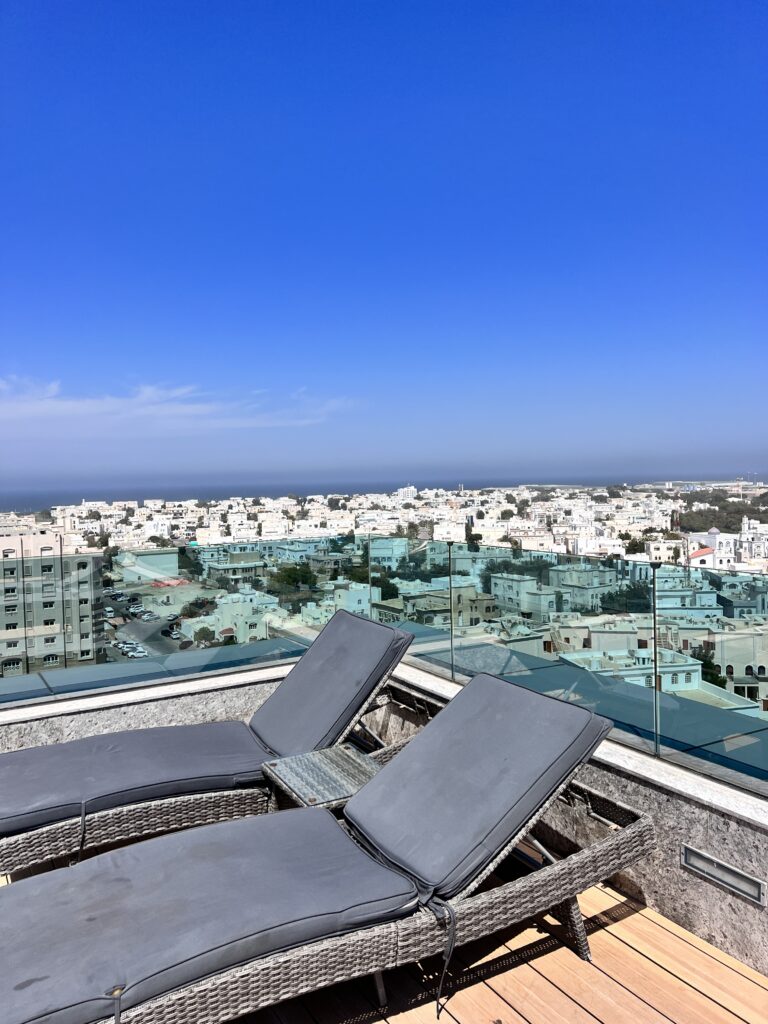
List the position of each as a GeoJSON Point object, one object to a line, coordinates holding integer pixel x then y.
{"type": "Point", "coordinates": [569, 914]}
{"type": "Point", "coordinates": [381, 992]}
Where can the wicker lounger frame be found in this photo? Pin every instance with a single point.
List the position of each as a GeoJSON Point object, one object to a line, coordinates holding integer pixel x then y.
{"type": "Point", "coordinates": [147, 818]}
{"type": "Point", "coordinates": [268, 980]}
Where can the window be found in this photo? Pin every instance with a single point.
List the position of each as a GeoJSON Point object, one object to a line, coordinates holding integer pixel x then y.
{"type": "Point", "coordinates": [10, 608]}
{"type": "Point", "coordinates": [12, 643]}
{"type": "Point", "coordinates": [11, 625]}
{"type": "Point", "coordinates": [83, 600]}
{"type": "Point", "coordinates": [50, 640]}
{"type": "Point", "coordinates": [85, 636]}
{"type": "Point", "coordinates": [85, 654]}
{"type": "Point", "coordinates": [82, 565]}
{"type": "Point", "coordinates": [47, 604]}
{"type": "Point", "coordinates": [753, 692]}
{"type": "Point", "coordinates": [8, 573]}
{"type": "Point", "coordinates": [688, 677]}
{"type": "Point", "coordinates": [9, 552]}
{"type": "Point", "coordinates": [51, 659]}
{"type": "Point", "coordinates": [729, 671]}
{"type": "Point", "coordinates": [12, 665]}
{"type": "Point", "coordinates": [675, 678]}
{"type": "Point", "coordinates": [10, 591]}
{"type": "Point", "coordinates": [49, 588]}
{"type": "Point", "coordinates": [748, 671]}
{"type": "Point", "coordinates": [46, 570]}
{"type": "Point", "coordinates": [49, 622]}
{"type": "Point", "coordinates": [761, 670]}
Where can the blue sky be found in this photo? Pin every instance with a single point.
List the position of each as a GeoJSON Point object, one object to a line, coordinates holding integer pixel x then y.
{"type": "Point", "coordinates": [382, 240]}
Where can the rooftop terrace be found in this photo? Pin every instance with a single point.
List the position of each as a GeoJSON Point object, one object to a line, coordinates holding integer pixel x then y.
{"type": "Point", "coordinates": [669, 944]}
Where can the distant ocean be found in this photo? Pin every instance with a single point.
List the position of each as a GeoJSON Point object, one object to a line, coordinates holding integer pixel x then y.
{"type": "Point", "coordinates": [25, 500]}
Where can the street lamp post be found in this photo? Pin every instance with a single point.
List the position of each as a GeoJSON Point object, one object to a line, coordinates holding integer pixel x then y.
{"type": "Point", "coordinates": [450, 607]}
{"type": "Point", "coordinates": [656, 676]}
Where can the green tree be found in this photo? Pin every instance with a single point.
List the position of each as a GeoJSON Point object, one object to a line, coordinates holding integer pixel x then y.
{"type": "Point", "coordinates": [204, 635]}
{"type": "Point", "coordinates": [389, 590]}
{"type": "Point", "coordinates": [290, 578]}
{"type": "Point", "coordinates": [472, 539]}
{"type": "Point", "coordinates": [635, 597]}
{"type": "Point", "coordinates": [506, 513]}
{"type": "Point", "coordinates": [708, 671]}
{"type": "Point", "coordinates": [635, 547]}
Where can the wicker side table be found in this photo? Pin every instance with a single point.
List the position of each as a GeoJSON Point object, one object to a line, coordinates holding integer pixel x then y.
{"type": "Point", "coordinates": [321, 778]}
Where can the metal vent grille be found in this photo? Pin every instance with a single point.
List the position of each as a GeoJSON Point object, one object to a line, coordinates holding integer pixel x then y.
{"type": "Point", "coordinates": [717, 871]}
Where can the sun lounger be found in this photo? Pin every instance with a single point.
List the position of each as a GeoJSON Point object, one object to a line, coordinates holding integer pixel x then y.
{"type": "Point", "coordinates": [57, 800]}
{"type": "Point", "coordinates": [205, 925]}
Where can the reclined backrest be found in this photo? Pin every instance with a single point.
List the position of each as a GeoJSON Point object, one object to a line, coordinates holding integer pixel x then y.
{"type": "Point", "coordinates": [463, 787]}
{"type": "Point", "coordinates": [329, 685]}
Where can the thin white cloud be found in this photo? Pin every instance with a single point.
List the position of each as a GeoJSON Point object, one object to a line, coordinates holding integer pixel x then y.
{"type": "Point", "coordinates": [36, 408]}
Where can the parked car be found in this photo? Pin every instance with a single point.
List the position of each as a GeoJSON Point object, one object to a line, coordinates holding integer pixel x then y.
{"type": "Point", "coordinates": [109, 610]}
{"type": "Point", "coordinates": [137, 654]}
{"type": "Point", "coordinates": [172, 618]}
{"type": "Point", "coordinates": [175, 635]}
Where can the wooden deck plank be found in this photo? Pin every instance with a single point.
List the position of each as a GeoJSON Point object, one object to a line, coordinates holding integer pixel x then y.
{"type": "Point", "coordinates": [664, 991]}
{"type": "Point", "coordinates": [467, 1006]}
{"type": "Point", "coordinates": [693, 966]}
{"type": "Point", "coordinates": [645, 971]}
{"type": "Point", "coordinates": [604, 997]}
{"type": "Point", "coordinates": [526, 990]}
{"type": "Point", "coordinates": [663, 922]}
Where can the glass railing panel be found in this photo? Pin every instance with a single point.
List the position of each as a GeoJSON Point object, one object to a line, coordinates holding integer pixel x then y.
{"type": "Point", "coordinates": [103, 616]}
{"type": "Point", "coordinates": [412, 576]}
{"type": "Point", "coordinates": [574, 627]}
{"type": "Point", "coordinates": [713, 670]}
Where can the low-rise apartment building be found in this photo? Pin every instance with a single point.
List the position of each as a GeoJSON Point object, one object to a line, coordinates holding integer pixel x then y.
{"type": "Point", "coordinates": [51, 610]}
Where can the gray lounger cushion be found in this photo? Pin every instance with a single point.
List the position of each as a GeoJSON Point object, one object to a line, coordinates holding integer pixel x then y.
{"type": "Point", "coordinates": [171, 910]}
{"type": "Point", "coordinates": [42, 785]}
{"type": "Point", "coordinates": [317, 700]}
{"type": "Point", "coordinates": [332, 681]}
{"type": "Point", "coordinates": [465, 785]}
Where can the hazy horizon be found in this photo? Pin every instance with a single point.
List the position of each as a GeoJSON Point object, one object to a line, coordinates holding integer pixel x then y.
{"type": "Point", "coordinates": [34, 499]}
